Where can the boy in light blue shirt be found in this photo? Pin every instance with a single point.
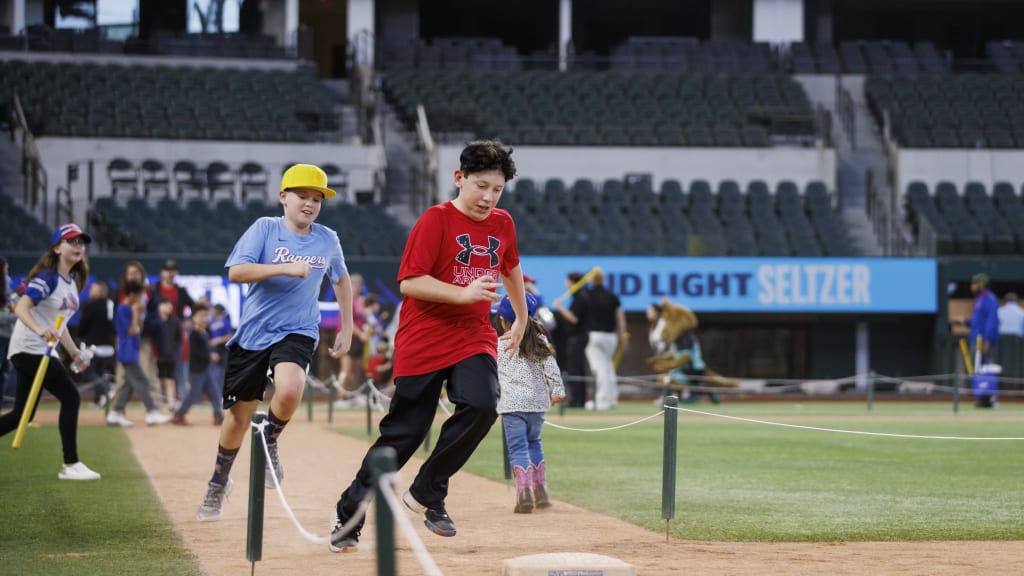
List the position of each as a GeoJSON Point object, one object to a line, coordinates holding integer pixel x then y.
{"type": "Point", "coordinates": [284, 260]}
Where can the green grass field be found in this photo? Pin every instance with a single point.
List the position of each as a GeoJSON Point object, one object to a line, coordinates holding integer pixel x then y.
{"type": "Point", "coordinates": [743, 481]}
{"type": "Point", "coordinates": [113, 526]}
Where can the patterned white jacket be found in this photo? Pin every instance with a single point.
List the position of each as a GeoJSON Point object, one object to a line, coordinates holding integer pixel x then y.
{"type": "Point", "coordinates": [526, 386]}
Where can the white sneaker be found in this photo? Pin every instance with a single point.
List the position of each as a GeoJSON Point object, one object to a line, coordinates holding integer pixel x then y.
{"type": "Point", "coordinates": [212, 507]}
{"type": "Point", "coordinates": [156, 417]}
{"type": "Point", "coordinates": [115, 418]}
{"type": "Point", "coordinates": [77, 471]}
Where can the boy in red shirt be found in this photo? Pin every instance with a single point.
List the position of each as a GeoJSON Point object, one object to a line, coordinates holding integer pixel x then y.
{"type": "Point", "coordinates": [453, 259]}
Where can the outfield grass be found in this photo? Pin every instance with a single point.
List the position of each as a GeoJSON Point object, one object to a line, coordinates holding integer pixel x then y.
{"type": "Point", "coordinates": [113, 526]}
{"type": "Point", "coordinates": [741, 481]}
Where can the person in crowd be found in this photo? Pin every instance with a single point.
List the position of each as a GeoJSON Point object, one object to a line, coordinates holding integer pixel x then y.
{"type": "Point", "coordinates": [1011, 316]}
{"type": "Point", "coordinates": [202, 371]}
{"type": "Point", "coordinates": [572, 327]}
{"type": "Point", "coordinates": [181, 304]}
{"type": "Point", "coordinates": [128, 323]}
{"type": "Point", "coordinates": [7, 320]}
{"type": "Point", "coordinates": [168, 342]}
{"type": "Point", "coordinates": [135, 271]}
{"type": "Point", "coordinates": [52, 288]}
{"type": "Point", "coordinates": [352, 363]}
{"type": "Point", "coordinates": [606, 333]}
{"type": "Point", "coordinates": [96, 328]}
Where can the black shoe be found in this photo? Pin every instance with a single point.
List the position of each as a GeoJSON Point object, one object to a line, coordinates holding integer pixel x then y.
{"type": "Point", "coordinates": [438, 521]}
{"type": "Point", "coordinates": [342, 541]}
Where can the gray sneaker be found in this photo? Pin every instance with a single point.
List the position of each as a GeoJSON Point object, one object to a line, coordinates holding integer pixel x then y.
{"type": "Point", "coordinates": [273, 466]}
{"type": "Point", "coordinates": [211, 508]}
{"type": "Point", "coordinates": [341, 541]}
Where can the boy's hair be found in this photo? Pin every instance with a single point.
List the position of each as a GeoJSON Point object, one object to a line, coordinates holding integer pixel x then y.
{"type": "Point", "coordinates": [534, 346]}
{"type": "Point", "coordinates": [482, 155]}
{"type": "Point", "coordinates": [199, 307]}
{"type": "Point", "coordinates": [164, 300]}
{"type": "Point", "coordinates": [132, 287]}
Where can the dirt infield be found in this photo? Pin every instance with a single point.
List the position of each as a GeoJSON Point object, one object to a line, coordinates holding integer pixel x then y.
{"type": "Point", "coordinates": [319, 462]}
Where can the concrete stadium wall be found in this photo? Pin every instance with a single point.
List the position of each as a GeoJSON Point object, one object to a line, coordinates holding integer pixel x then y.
{"type": "Point", "coordinates": [541, 163]}
{"type": "Point", "coordinates": [361, 162]}
{"type": "Point", "coordinates": [959, 167]}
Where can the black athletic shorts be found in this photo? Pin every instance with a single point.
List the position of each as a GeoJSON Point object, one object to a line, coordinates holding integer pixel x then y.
{"type": "Point", "coordinates": [246, 377]}
{"type": "Point", "coordinates": [165, 369]}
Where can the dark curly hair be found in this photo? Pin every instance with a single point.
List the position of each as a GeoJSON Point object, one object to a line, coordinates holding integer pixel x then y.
{"type": "Point", "coordinates": [482, 155]}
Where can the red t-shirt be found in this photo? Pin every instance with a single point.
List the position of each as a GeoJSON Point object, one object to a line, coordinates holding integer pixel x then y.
{"type": "Point", "coordinates": [456, 249]}
{"type": "Point", "coordinates": [372, 365]}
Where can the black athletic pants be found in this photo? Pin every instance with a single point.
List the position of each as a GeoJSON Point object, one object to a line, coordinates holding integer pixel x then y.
{"type": "Point", "coordinates": [473, 387]}
{"type": "Point", "coordinates": [56, 382]}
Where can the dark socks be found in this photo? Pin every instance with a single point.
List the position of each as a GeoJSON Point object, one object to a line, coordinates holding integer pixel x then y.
{"type": "Point", "coordinates": [274, 426]}
{"type": "Point", "coordinates": [222, 470]}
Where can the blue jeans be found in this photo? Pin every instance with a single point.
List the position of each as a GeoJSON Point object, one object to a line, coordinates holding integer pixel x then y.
{"type": "Point", "coordinates": [522, 433]}
{"type": "Point", "coordinates": [209, 381]}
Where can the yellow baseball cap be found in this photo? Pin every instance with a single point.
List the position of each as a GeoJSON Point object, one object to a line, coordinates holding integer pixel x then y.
{"type": "Point", "coordinates": [306, 176]}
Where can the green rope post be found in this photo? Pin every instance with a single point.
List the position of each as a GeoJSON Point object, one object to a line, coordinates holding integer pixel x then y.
{"type": "Point", "coordinates": [332, 393]}
{"type": "Point", "coordinates": [369, 408]}
{"type": "Point", "coordinates": [565, 386]}
{"type": "Point", "coordinates": [871, 389]}
{"type": "Point", "coordinates": [956, 392]}
{"type": "Point", "coordinates": [383, 461]}
{"type": "Point", "coordinates": [309, 400]}
{"type": "Point", "coordinates": [257, 475]}
{"type": "Point", "coordinates": [668, 471]}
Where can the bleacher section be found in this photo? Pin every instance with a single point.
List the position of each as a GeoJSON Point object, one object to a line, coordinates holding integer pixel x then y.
{"type": "Point", "coordinates": [950, 111]}
{"type": "Point", "coordinates": [615, 219]}
{"type": "Point", "coordinates": [973, 221]}
{"type": "Point", "coordinates": [540, 107]}
{"type": "Point", "coordinates": [450, 53]}
{"type": "Point", "coordinates": [21, 231]}
{"type": "Point", "coordinates": [199, 226]}
{"type": "Point", "coordinates": [42, 38]}
{"type": "Point", "coordinates": [163, 102]}
{"type": "Point", "coordinates": [1006, 56]}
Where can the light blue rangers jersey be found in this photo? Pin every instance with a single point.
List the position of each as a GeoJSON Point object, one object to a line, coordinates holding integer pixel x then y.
{"type": "Point", "coordinates": [282, 305]}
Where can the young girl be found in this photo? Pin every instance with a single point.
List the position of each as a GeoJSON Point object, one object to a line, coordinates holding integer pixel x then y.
{"type": "Point", "coordinates": [52, 288]}
{"type": "Point", "coordinates": [530, 383]}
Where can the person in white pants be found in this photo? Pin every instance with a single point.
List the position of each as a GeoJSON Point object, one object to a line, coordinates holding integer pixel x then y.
{"type": "Point", "coordinates": [607, 331]}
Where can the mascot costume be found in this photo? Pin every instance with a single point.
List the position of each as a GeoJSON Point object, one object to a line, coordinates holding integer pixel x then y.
{"type": "Point", "coordinates": [677, 356]}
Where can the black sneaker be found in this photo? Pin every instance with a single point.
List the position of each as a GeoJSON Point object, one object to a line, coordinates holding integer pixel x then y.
{"type": "Point", "coordinates": [342, 541]}
{"type": "Point", "coordinates": [436, 519]}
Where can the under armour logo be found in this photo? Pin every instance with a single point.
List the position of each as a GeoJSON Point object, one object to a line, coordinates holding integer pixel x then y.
{"type": "Point", "coordinates": [470, 249]}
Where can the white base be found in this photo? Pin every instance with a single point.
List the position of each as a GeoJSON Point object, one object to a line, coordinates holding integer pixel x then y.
{"type": "Point", "coordinates": [567, 564]}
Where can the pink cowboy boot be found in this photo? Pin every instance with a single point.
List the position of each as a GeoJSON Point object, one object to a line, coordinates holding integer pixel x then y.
{"type": "Point", "coordinates": [524, 492]}
{"type": "Point", "coordinates": [540, 486]}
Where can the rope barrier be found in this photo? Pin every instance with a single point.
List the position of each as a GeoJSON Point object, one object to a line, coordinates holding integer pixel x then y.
{"type": "Point", "coordinates": [856, 432]}
{"type": "Point", "coordinates": [419, 549]}
{"type": "Point", "coordinates": [560, 427]}
{"type": "Point", "coordinates": [346, 528]}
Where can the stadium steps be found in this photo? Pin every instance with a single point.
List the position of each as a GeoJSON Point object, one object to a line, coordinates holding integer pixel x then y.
{"type": "Point", "coordinates": [857, 155]}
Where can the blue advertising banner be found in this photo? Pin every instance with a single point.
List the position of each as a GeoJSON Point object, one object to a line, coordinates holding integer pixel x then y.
{"type": "Point", "coordinates": [754, 285]}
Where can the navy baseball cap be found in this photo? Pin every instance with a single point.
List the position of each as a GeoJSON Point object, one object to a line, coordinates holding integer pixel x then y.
{"type": "Point", "coordinates": [505, 307]}
{"type": "Point", "coordinates": [67, 232]}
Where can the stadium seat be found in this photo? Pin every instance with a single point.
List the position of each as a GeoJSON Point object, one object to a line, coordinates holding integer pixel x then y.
{"type": "Point", "coordinates": [123, 176]}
